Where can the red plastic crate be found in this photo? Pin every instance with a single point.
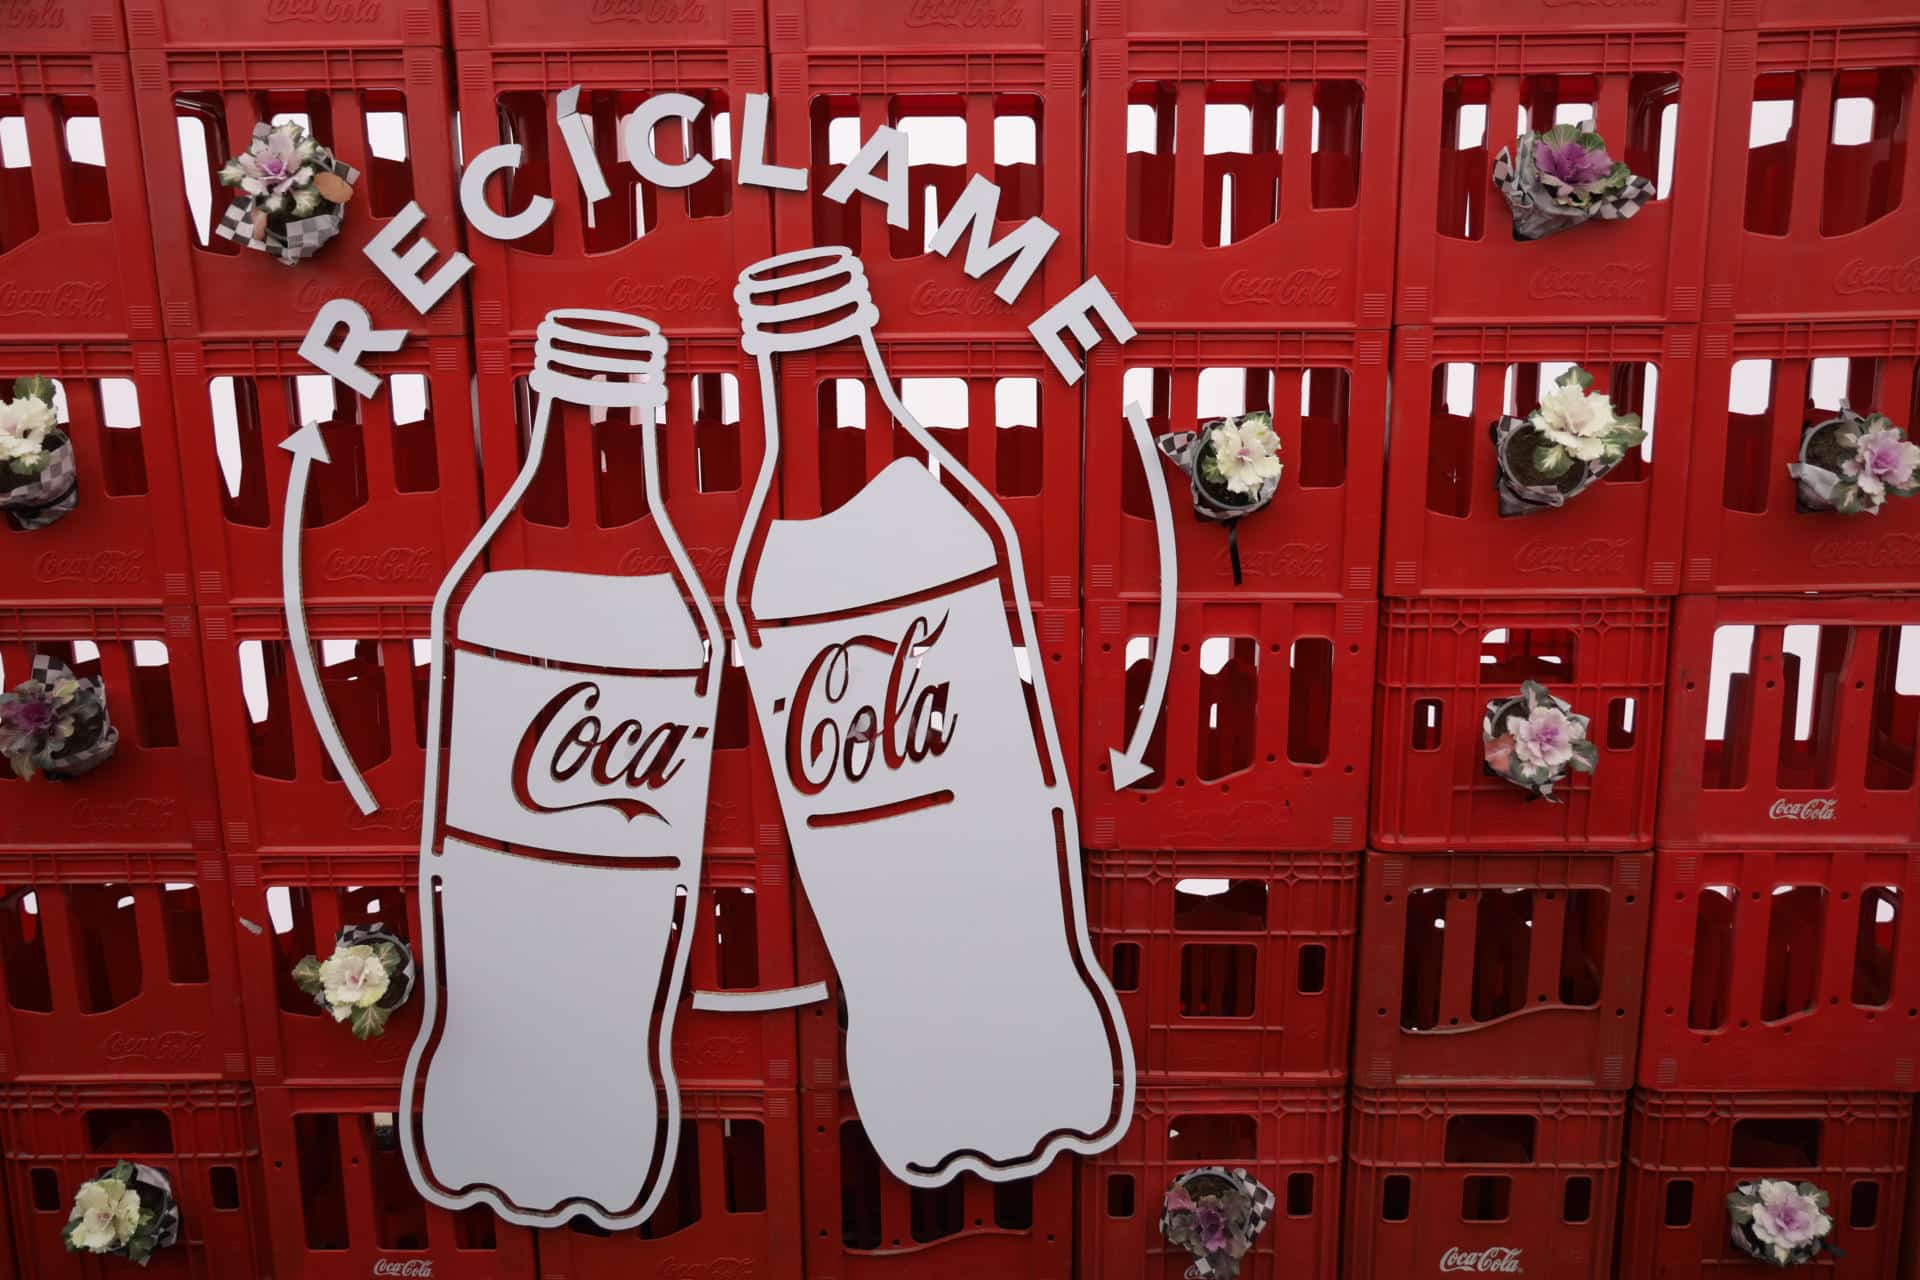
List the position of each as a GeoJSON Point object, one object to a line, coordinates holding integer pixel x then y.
{"type": "Point", "coordinates": [829, 103]}
{"type": "Point", "coordinates": [1257, 733]}
{"type": "Point", "coordinates": [1459, 261]}
{"type": "Point", "coordinates": [1744, 15]}
{"type": "Point", "coordinates": [1444, 531]}
{"type": "Point", "coordinates": [204, 1137]}
{"type": "Point", "coordinates": [270, 24]}
{"type": "Point", "coordinates": [1782, 971]}
{"type": "Point", "coordinates": [1242, 19]}
{"type": "Point", "coordinates": [76, 241]}
{"type": "Point", "coordinates": [125, 541]}
{"type": "Point", "coordinates": [156, 792]}
{"type": "Point", "coordinates": [730, 1209]}
{"type": "Point", "coordinates": [1804, 227]}
{"type": "Point", "coordinates": [1443, 661]}
{"type": "Point", "coordinates": [66, 25]}
{"type": "Point", "coordinates": [503, 24]}
{"type": "Point", "coordinates": [118, 964]}
{"type": "Point", "coordinates": [670, 255]}
{"type": "Point", "coordinates": [1493, 16]}
{"type": "Point", "coordinates": [339, 1202]}
{"type": "Point", "coordinates": [1501, 968]}
{"type": "Point", "coordinates": [1229, 964]}
{"type": "Point", "coordinates": [933, 26]}
{"type": "Point", "coordinates": [1287, 1137]}
{"type": "Point", "coordinates": [385, 516]}
{"type": "Point", "coordinates": [1789, 728]}
{"type": "Point", "coordinates": [1760, 383]}
{"type": "Point", "coordinates": [997, 406]}
{"type": "Point", "coordinates": [1327, 391]}
{"type": "Point", "coordinates": [862, 1222]}
{"type": "Point", "coordinates": [743, 941]}
{"type": "Point", "coordinates": [1527, 1177]}
{"type": "Point", "coordinates": [1305, 227]}
{"type": "Point", "coordinates": [1686, 1151]}
{"type": "Point", "coordinates": [218, 288]}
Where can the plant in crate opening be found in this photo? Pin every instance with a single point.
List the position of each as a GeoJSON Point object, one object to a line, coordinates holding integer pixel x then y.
{"type": "Point", "coordinates": [1563, 178]}
{"type": "Point", "coordinates": [293, 193]}
{"type": "Point", "coordinates": [1563, 447]}
{"type": "Point", "coordinates": [56, 723]}
{"type": "Point", "coordinates": [368, 976]}
{"type": "Point", "coordinates": [1534, 739]}
{"type": "Point", "coordinates": [1214, 1214]}
{"type": "Point", "coordinates": [1234, 467]}
{"type": "Point", "coordinates": [1780, 1222]}
{"type": "Point", "coordinates": [40, 483]}
{"type": "Point", "coordinates": [1851, 464]}
{"type": "Point", "coordinates": [129, 1211]}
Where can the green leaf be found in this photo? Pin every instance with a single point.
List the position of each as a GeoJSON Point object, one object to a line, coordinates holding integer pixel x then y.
{"type": "Point", "coordinates": [1561, 134]}
{"type": "Point", "coordinates": [368, 1022]}
{"type": "Point", "coordinates": [389, 957]}
{"type": "Point", "coordinates": [306, 976]}
{"type": "Point", "coordinates": [39, 386]}
{"type": "Point", "coordinates": [1535, 693]}
{"type": "Point", "coordinates": [1552, 460]}
{"type": "Point", "coordinates": [1576, 376]}
{"type": "Point", "coordinates": [1261, 418]}
{"type": "Point", "coordinates": [1586, 756]}
{"type": "Point", "coordinates": [1847, 499]}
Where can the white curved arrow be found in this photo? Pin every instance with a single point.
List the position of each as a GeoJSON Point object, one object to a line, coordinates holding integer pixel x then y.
{"type": "Point", "coordinates": [1129, 766]}
{"type": "Point", "coordinates": [307, 448]}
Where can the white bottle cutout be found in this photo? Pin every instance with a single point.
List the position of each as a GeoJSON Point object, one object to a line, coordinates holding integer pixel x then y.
{"type": "Point", "coordinates": [561, 848]}
{"type": "Point", "coordinates": [930, 814]}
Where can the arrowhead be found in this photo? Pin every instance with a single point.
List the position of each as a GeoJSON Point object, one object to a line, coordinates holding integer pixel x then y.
{"type": "Point", "coordinates": [1126, 770]}
{"type": "Point", "coordinates": [306, 443]}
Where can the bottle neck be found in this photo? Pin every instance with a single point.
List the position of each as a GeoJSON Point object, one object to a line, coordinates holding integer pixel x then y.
{"type": "Point", "coordinates": [804, 301]}
{"type": "Point", "coordinates": [600, 359]}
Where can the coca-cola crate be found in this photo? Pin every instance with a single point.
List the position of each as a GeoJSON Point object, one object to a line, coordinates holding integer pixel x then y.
{"type": "Point", "coordinates": [118, 964]}
{"type": "Point", "coordinates": [76, 240]}
{"type": "Point", "coordinates": [340, 1203]}
{"type": "Point", "coordinates": [997, 406]}
{"type": "Point", "coordinates": [1282, 215]}
{"type": "Point", "coordinates": [1473, 17]}
{"type": "Point", "coordinates": [1761, 384]}
{"type": "Point", "coordinates": [385, 515]}
{"type": "Point", "coordinates": [1816, 208]}
{"type": "Point", "coordinates": [862, 1223]}
{"type": "Point", "coordinates": [125, 540]}
{"type": "Point", "coordinates": [1650, 94]}
{"type": "Point", "coordinates": [204, 1137]}
{"type": "Point", "coordinates": [1443, 662]}
{"type": "Point", "coordinates": [1257, 731]}
{"type": "Point", "coordinates": [743, 941]}
{"type": "Point", "coordinates": [1242, 19]}
{"type": "Point", "coordinates": [1794, 723]}
{"type": "Point", "coordinates": [63, 26]}
{"type": "Point", "coordinates": [1743, 15]}
{"type": "Point", "coordinates": [1288, 1137]}
{"type": "Point", "coordinates": [1502, 1180]}
{"type": "Point", "coordinates": [1782, 971]}
{"type": "Point", "coordinates": [924, 26]}
{"type": "Point", "coordinates": [1229, 964]}
{"type": "Point", "coordinates": [503, 24]}
{"type": "Point", "coordinates": [269, 24]}
{"type": "Point", "coordinates": [156, 792]}
{"type": "Point", "coordinates": [385, 111]}
{"type": "Point", "coordinates": [730, 1208]}
{"type": "Point", "coordinates": [1501, 968]}
{"type": "Point", "coordinates": [1013, 117]}
{"type": "Point", "coordinates": [1445, 534]}
{"type": "Point", "coordinates": [669, 255]}
{"type": "Point", "coordinates": [1327, 391]}
{"type": "Point", "coordinates": [1687, 1151]}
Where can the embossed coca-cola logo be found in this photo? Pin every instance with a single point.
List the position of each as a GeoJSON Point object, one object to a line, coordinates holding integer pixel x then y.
{"type": "Point", "coordinates": [114, 567]}
{"type": "Point", "coordinates": [371, 294]}
{"type": "Point", "coordinates": [1821, 810]}
{"type": "Point", "coordinates": [708, 562]}
{"type": "Point", "coordinates": [420, 1267]}
{"type": "Point", "coordinates": [1607, 282]}
{"type": "Point", "coordinates": [932, 299]}
{"type": "Point", "coordinates": [654, 12]}
{"type": "Point", "coordinates": [678, 295]}
{"type": "Point", "coordinates": [1496, 1260]}
{"type": "Point", "coordinates": [1602, 4]}
{"type": "Point", "coordinates": [967, 15]}
{"type": "Point", "coordinates": [143, 814]}
{"type": "Point", "coordinates": [323, 10]}
{"type": "Point", "coordinates": [1860, 276]}
{"type": "Point", "coordinates": [74, 300]}
{"type": "Point", "coordinates": [706, 1269]}
{"type": "Point", "coordinates": [1894, 551]}
{"type": "Point", "coordinates": [393, 564]}
{"type": "Point", "coordinates": [1289, 560]}
{"type": "Point", "coordinates": [1589, 555]}
{"type": "Point", "coordinates": [404, 817]}
{"type": "Point", "coordinates": [828, 737]}
{"type": "Point", "coordinates": [1288, 8]}
{"type": "Point", "coordinates": [26, 15]}
{"type": "Point", "coordinates": [567, 740]}
{"type": "Point", "coordinates": [163, 1048]}
{"type": "Point", "coordinates": [1305, 287]}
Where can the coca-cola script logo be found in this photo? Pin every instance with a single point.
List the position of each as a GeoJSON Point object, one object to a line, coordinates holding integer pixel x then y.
{"type": "Point", "coordinates": [1305, 287]}
{"type": "Point", "coordinates": [705, 1269]}
{"type": "Point", "coordinates": [1496, 1260]}
{"type": "Point", "coordinates": [823, 742]}
{"type": "Point", "coordinates": [933, 299]}
{"type": "Point", "coordinates": [659, 12]}
{"type": "Point", "coordinates": [678, 295]}
{"type": "Point", "coordinates": [1289, 560]}
{"type": "Point", "coordinates": [74, 300]}
{"type": "Point", "coordinates": [1860, 276]}
{"type": "Point", "coordinates": [374, 295]}
{"type": "Point", "coordinates": [422, 1267]}
{"type": "Point", "coordinates": [626, 755]}
{"type": "Point", "coordinates": [164, 1048]}
{"type": "Point", "coordinates": [1821, 810]}
{"type": "Point", "coordinates": [1895, 551]}
{"type": "Point", "coordinates": [144, 814]}
{"type": "Point", "coordinates": [1287, 8]}
{"type": "Point", "coordinates": [1608, 282]}
{"type": "Point", "coordinates": [323, 10]}
{"type": "Point", "coordinates": [707, 562]}
{"type": "Point", "coordinates": [967, 15]}
{"type": "Point", "coordinates": [24, 14]}
{"type": "Point", "coordinates": [403, 817]}
{"type": "Point", "coordinates": [1592, 555]}
{"type": "Point", "coordinates": [107, 568]}
{"type": "Point", "coordinates": [394, 564]}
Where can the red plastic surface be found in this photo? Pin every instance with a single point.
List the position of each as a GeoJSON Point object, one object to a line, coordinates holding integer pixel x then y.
{"type": "Point", "coordinates": [156, 792]}
{"type": "Point", "coordinates": [1491, 968]}
{"type": "Point", "coordinates": [218, 288]}
{"type": "Point", "coordinates": [503, 24]}
{"type": "Point", "coordinates": [1757, 391]}
{"type": "Point", "coordinates": [270, 24]}
{"type": "Point", "coordinates": [204, 1137]}
{"type": "Point", "coordinates": [385, 516]}
{"type": "Point", "coordinates": [1459, 262]}
{"type": "Point", "coordinates": [1817, 744]}
{"type": "Point", "coordinates": [1444, 531]}
{"type": "Point", "coordinates": [1242, 19]}
{"type": "Point", "coordinates": [1287, 1137]}
{"type": "Point", "coordinates": [670, 255]}
{"type": "Point", "coordinates": [117, 965]}
{"type": "Point", "coordinates": [1808, 227]}
{"type": "Point", "coordinates": [1305, 227]}
{"type": "Point", "coordinates": [934, 26]}
{"type": "Point", "coordinates": [1744, 15]}
{"type": "Point", "coordinates": [1785, 971]}
{"type": "Point", "coordinates": [1229, 965]}
{"type": "Point", "coordinates": [66, 26]}
{"type": "Point", "coordinates": [339, 1202]}
{"type": "Point", "coordinates": [76, 241]}
{"type": "Point", "coordinates": [743, 941]}
{"type": "Point", "coordinates": [1526, 1176]}
{"type": "Point", "coordinates": [125, 542]}
{"type": "Point", "coordinates": [1686, 1151]}
{"type": "Point", "coordinates": [864, 1224]}
{"type": "Point", "coordinates": [1496, 16]}
{"type": "Point", "coordinates": [1257, 732]}
{"type": "Point", "coordinates": [979, 95]}
{"type": "Point", "coordinates": [1320, 538]}
{"type": "Point", "coordinates": [1443, 661]}
{"type": "Point", "coordinates": [731, 1207]}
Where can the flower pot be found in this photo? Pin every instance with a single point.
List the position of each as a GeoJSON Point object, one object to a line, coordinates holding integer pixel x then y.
{"type": "Point", "coordinates": [1524, 489]}
{"type": "Point", "coordinates": [1818, 469]}
{"type": "Point", "coordinates": [48, 495]}
{"type": "Point", "coordinates": [86, 752]}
